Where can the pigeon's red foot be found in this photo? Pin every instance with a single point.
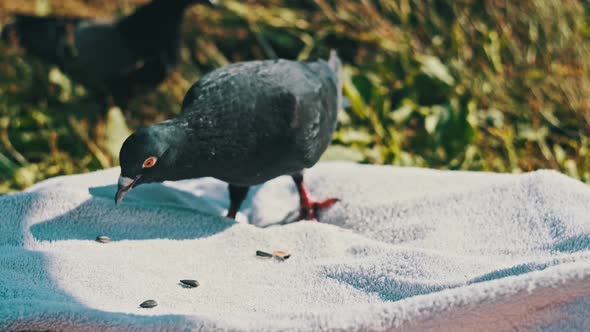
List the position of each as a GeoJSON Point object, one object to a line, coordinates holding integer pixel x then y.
{"type": "Point", "coordinates": [309, 210]}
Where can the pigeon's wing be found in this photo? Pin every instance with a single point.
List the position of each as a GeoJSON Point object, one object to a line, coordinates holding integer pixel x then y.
{"type": "Point", "coordinates": [101, 53]}
{"type": "Point", "coordinates": [243, 91]}
{"type": "Point", "coordinates": [247, 119]}
{"type": "Point", "coordinates": [241, 101]}
{"type": "Point", "coordinates": [317, 90]}
{"type": "Point", "coordinates": [269, 117]}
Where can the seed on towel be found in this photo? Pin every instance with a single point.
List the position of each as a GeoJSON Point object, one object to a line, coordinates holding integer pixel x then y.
{"type": "Point", "coordinates": [190, 283]}
{"type": "Point", "coordinates": [281, 254]}
{"type": "Point", "coordinates": [263, 254]}
{"type": "Point", "coordinates": [103, 239]}
{"type": "Point", "coordinates": [148, 304]}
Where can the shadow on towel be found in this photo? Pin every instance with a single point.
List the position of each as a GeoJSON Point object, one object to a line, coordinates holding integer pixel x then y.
{"type": "Point", "coordinates": [149, 213]}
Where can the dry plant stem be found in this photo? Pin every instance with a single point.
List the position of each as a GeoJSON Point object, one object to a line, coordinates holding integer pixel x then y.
{"type": "Point", "coordinates": [9, 147]}
{"type": "Point", "coordinates": [92, 147]}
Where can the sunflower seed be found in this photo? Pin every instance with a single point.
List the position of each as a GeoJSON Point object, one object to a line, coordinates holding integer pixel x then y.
{"type": "Point", "coordinates": [103, 239]}
{"type": "Point", "coordinates": [281, 255]}
{"type": "Point", "coordinates": [148, 304]}
{"type": "Point", "coordinates": [262, 254]}
{"type": "Point", "coordinates": [190, 283]}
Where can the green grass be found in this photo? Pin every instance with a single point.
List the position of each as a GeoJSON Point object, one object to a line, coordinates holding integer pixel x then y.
{"type": "Point", "coordinates": [470, 85]}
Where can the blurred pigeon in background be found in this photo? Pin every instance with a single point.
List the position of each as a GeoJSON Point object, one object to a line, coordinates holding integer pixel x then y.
{"type": "Point", "coordinates": [118, 58]}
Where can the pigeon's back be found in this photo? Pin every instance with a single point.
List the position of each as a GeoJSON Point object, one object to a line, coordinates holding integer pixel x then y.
{"type": "Point", "coordinates": [45, 37]}
{"type": "Point", "coordinates": [264, 118]}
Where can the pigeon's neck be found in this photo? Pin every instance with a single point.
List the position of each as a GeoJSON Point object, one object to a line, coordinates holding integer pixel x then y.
{"type": "Point", "coordinates": [154, 15]}
{"type": "Point", "coordinates": [171, 134]}
{"type": "Point", "coordinates": [186, 157]}
{"type": "Point", "coordinates": [154, 27]}
{"type": "Point", "coordinates": [201, 148]}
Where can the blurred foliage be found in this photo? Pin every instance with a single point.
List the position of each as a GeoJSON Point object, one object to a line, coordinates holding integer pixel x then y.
{"type": "Point", "coordinates": [474, 85]}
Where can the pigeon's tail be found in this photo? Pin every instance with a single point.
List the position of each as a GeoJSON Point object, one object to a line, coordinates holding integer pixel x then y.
{"type": "Point", "coordinates": [335, 64]}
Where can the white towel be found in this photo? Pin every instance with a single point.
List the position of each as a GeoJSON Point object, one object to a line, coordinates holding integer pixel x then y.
{"type": "Point", "coordinates": [405, 248]}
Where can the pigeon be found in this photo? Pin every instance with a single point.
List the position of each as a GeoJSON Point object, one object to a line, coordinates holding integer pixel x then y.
{"type": "Point", "coordinates": [111, 58]}
{"type": "Point", "coordinates": [244, 124]}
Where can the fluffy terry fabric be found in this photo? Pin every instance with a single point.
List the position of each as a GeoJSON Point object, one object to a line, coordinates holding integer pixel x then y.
{"type": "Point", "coordinates": [406, 248]}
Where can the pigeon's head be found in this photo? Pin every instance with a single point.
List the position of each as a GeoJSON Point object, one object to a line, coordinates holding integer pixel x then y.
{"type": "Point", "coordinates": [146, 157]}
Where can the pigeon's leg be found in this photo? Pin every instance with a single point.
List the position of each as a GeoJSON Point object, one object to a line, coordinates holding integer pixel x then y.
{"type": "Point", "coordinates": [309, 208]}
{"type": "Point", "coordinates": [237, 194]}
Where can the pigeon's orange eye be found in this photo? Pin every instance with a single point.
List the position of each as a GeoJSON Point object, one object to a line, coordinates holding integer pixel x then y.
{"type": "Point", "coordinates": [151, 161]}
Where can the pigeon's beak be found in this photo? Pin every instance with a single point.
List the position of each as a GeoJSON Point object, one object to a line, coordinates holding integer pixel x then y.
{"type": "Point", "coordinates": [124, 186]}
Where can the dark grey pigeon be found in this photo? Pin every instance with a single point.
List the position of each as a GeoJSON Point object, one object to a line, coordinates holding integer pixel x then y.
{"type": "Point", "coordinates": [118, 58]}
{"type": "Point", "coordinates": [244, 124]}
